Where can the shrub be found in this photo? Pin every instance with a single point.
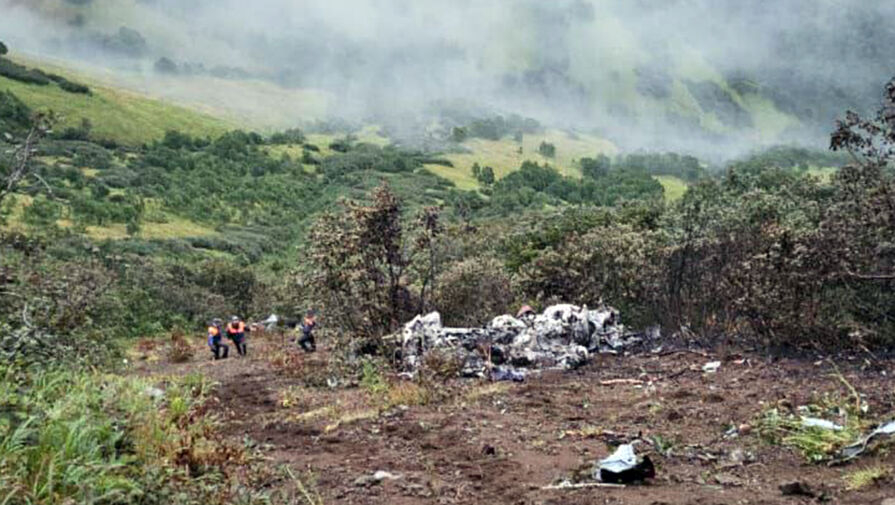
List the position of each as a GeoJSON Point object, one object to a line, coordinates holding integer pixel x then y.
{"type": "Point", "coordinates": [342, 145]}
{"type": "Point", "coordinates": [81, 132]}
{"type": "Point", "coordinates": [126, 41]}
{"type": "Point", "coordinates": [459, 134]}
{"type": "Point", "coordinates": [14, 114]}
{"type": "Point", "coordinates": [174, 139]}
{"type": "Point", "coordinates": [74, 87]}
{"type": "Point", "coordinates": [547, 149]}
{"type": "Point", "coordinates": [617, 264]}
{"type": "Point", "coordinates": [460, 298]}
{"type": "Point", "coordinates": [3, 48]}
{"type": "Point", "coordinates": [290, 136]}
{"type": "Point", "coordinates": [179, 349]}
{"type": "Point", "coordinates": [686, 167]}
{"type": "Point", "coordinates": [364, 260]}
{"type": "Point", "coordinates": [595, 168]}
{"type": "Point", "coordinates": [164, 65]}
{"type": "Point", "coordinates": [21, 73]}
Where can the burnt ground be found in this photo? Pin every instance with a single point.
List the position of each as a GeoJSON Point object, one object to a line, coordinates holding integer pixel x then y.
{"type": "Point", "coordinates": [500, 443]}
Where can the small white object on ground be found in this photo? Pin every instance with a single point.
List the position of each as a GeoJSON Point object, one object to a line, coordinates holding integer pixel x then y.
{"type": "Point", "coordinates": [711, 367]}
{"type": "Point", "coordinates": [813, 422]}
{"type": "Point", "coordinates": [382, 475]}
{"type": "Point", "coordinates": [622, 459]}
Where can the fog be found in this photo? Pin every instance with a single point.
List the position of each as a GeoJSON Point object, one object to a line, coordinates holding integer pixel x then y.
{"type": "Point", "coordinates": [697, 75]}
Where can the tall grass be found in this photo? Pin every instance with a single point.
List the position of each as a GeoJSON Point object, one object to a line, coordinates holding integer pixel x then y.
{"type": "Point", "coordinates": [87, 437]}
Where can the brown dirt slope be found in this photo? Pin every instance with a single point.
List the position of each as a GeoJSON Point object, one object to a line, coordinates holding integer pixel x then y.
{"type": "Point", "coordinates": [481, 443]}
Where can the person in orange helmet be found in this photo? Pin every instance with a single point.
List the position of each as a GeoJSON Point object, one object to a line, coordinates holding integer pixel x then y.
{"type": "Point", "coordinates": [236, 331]}
{"type": "Point", "coordinates": [219, 349]}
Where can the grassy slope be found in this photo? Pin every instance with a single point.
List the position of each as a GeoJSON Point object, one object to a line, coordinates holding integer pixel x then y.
{"type": "Point", "coordinates": [125, 117]}
{"type": "Point", "coordinates": [674, 187]}
{"type": "Point", "coordinates": [504, 156]}
{"type": "Point", "coordinates": [172, 227]}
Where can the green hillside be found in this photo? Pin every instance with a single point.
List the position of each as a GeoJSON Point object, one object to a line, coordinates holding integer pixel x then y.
{"type": "Point", "coordinates": [674, 187]}
{"type": "Point", "coordinates": [122, 116]}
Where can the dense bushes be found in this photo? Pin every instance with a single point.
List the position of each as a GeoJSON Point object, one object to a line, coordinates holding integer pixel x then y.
{"type": "Point", "coordinates": [740, 258]}
{"type": "Point", "coordinates": [534, 186]}
{"type": "Point", "coordinates": [791, 157]}
{"type": "Point", "coordinates": [22, 73]}
{"type": "Point", "coordinates": [27, 75]}
{"type": "Point", "coordinates": [15, 116]}
{"type": "Point", "coordinates": [291, 136]}
{"type": "Point", "coordinates": [474, 290]}
{"type": "Point", "coordinates": [688, 168]}
{"type": "Point", "coordinates": [495, 128]}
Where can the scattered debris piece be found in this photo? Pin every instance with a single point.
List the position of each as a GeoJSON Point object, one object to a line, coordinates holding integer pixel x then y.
{"type": "Point", "coordinates": [563, 336]}
{"type": "Point", "coordinates": [797, 489]}
{"type": "Point", "coordinates": [711, 367]}
{"type": "Point", "coordinates": [507, 374]}
{"type": "Point", "coordinates": [376, 478]}
{"type": "Point", "coordinates": [813, 422]}
{"type": "Point", "coordinates": [856, 449]}
{"type": "Point", "coordinates": [568, 485]}
{"type": "Point", "coordinates": [271, 322]}
{"type": "Point", "coordinates": [613, 382]}
{"type": "Point", "coordinates": [624, 467]}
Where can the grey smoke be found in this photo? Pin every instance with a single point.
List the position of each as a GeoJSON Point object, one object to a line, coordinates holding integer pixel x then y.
{"type": "Point", "coordinates": [614, 66]}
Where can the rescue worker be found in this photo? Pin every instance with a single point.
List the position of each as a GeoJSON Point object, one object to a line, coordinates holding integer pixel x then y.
{"type": "Point", "coordinates": [236, 331]}
{"type": "Point", "coordinates": [307, 332]}
{"type": "Point", "coordinates": [214, 340]}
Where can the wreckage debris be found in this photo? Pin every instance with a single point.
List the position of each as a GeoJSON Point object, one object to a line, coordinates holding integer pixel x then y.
{"type": "Point", "coordinates": [856, 449]}
{"type": "Point", "coordinates": [813, 422]}
{"type": "Point", "coordinates": [625, 467]}
{"type": "Point", "coordinates": [563, 336]}
{"type": "Point", "coordinates": [711, 367]}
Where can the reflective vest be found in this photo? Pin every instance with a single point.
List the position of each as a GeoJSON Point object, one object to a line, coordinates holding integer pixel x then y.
{"type": "Point", "coordinates": [239, 328]}
{"type": "Point", "coordinates": [213, 331]}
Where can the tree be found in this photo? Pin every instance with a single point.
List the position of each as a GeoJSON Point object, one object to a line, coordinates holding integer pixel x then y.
{"type": "Point", "coordinates": [547, 149]}
{"type": "Point", "coordinates": [487, 176]}
{"type": "Point", "coordinates": [164, 65]}
{"type": "Point", "coordinates": [864, 220]}
{"type": "Point", "coordinates": [3, 48]}
{"type": "Point", "coordinates": [459, 134]}
{"type": "Point", "coordinates": [596, 168]}
{"type": "Point", "coordinates": [367, 270]}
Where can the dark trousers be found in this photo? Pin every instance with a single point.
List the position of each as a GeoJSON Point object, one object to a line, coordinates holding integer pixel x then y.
{"type": "Point", "coordinates": [307, 342]}
{"type": "Point", "coordinates": [218, 348]}
{"type": "Point", "coordinates": [239, 340]}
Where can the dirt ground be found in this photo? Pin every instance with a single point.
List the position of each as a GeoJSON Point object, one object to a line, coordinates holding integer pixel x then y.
{"type": "Point", "coordinates": [501, 443]}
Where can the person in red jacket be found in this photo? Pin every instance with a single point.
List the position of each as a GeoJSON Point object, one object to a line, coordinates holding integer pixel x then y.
{"type": "Point", "coordinates": [236, 331]}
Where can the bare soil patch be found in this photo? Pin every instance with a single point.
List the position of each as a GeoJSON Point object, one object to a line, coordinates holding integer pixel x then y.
{"type": "Point", "coordinates": [500, 443]}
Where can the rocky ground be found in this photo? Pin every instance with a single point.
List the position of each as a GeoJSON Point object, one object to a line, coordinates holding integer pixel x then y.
{"type": "Point", "coordinates": [476, 442]}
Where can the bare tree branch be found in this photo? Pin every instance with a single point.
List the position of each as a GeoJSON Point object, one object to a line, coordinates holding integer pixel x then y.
{"type": "Point", "coordinates": [21, 169]}
{"type": "Point", "coordinates": [871, 277]}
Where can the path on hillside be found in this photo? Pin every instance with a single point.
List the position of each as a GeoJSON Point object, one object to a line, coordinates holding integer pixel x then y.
{"type": "Point", "coordinates": [499, 444]}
